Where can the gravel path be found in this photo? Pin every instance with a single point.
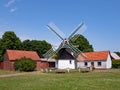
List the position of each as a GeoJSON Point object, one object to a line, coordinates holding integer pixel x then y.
{"type": "Point", "coordinates": [20, 74]}
{"type": "Point", "coordinates": [11, 75]}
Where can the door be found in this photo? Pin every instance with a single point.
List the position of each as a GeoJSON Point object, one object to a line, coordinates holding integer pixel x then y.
{"type": "Point", "coordinates": [92, 65]}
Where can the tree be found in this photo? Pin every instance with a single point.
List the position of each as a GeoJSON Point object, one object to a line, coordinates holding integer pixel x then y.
{"type": "Point", "coordinates": [82, 42]}
{"type": "Point", "coordinates": [9, 40]}
{"type": "Point", "coordinates": [41, 47]}
{"type": "Point", "coordinates": [118, 53]}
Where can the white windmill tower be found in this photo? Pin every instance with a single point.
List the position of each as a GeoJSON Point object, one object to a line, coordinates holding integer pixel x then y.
{"type": "Point", "coordinates": [66, 52]}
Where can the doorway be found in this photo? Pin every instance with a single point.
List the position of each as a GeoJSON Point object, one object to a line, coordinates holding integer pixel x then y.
{"type": "Point", "coordinates": [92, 65]}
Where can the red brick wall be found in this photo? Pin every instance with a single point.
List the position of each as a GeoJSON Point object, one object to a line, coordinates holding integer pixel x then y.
{"type": "Point", "coordinates": [1, 65]}
{"type": "Point", "coordinates": [8, 65]}
{"type": "Point", "coordinates": [42, 64]}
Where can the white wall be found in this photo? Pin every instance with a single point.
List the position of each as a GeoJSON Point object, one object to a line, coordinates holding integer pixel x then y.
{"type": "Point", "coordinates": [64, 64]}
{"type": "Point", "coordinates": [109, 62]}
{"type": "Point", "coordinates": [81, 64]}
{"type": "Point", "coordinates": [104, 63]}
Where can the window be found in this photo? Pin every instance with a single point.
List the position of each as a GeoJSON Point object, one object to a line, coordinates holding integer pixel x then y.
{"type": "Point", "coordinates": [70, 62]}
{"type": "Point", "coordinates": [85, 63]}
{"type": "Point", "coordinates": [99, 63]}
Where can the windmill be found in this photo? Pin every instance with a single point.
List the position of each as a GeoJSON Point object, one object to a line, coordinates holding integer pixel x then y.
{"type": "Point", "coordinates": [65, 42]}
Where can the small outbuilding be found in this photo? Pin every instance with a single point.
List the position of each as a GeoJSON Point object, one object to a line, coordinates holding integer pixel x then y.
{"type": "Point", "coordinates": [96, 60]}
{"type": "Point", "coordinates": [11, 56]}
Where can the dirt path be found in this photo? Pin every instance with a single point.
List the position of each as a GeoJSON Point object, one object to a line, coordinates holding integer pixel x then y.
{"type": "Point", "coordinates": [11, 75]}
{"type": "Point", "coordinates": [20, 74]}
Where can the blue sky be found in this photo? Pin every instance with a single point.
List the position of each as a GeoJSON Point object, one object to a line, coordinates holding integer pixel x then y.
{"type": "Point", "coordinates": [28, 19]}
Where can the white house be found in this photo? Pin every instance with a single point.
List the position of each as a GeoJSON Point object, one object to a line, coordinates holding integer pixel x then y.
{"type": "Point", "coordinates": [98, 60]}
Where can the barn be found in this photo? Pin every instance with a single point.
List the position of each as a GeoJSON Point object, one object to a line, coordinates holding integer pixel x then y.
{"type": "Point", "coordinates": [11, 56]}
{"type": "Point", "coordinates": [97, 60]}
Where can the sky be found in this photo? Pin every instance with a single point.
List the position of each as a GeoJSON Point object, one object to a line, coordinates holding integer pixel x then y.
{"type": "Point", "coordinates": [28, 19]}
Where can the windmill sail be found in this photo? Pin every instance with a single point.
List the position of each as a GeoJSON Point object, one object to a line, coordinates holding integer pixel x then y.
{"type": "Point", "coordinates": [76, 51]}
{"type": "Point", "coordinates": [65, 42]}
{"type": "Point", "coordinates": [55, 29]}
{"type": "Point", "coordinates": [78, 28]}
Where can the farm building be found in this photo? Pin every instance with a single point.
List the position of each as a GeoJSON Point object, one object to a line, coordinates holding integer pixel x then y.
{"type": "Point", "coordinates": [11, 55]}
{"type": "Point", "coordinates": [65, 59]}
{"type": "Point", "coordinates": [98, 60]}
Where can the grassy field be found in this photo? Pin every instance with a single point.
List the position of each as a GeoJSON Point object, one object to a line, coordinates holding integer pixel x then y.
{"type": "Point", "coordinates": [2, 72]}
{"type": "Point", "coordinates": [97, 80]}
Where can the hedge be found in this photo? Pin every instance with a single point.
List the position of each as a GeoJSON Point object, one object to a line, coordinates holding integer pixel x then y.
{"type": "Point", "coordinates": [25, 64]}
{"type": "Point", "coordinates": [115, 63]}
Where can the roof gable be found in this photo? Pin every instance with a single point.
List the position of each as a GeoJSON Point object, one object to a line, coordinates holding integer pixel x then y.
{"type": "Point", "coordinates": [100, 55]}
{"type": "Point", "coordinates": [18, 54]}
{"type": "Point", "coordinates": [65, 53]}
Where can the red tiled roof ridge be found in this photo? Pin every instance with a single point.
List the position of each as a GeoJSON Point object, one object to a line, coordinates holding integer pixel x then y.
{"type": "Point", "coordinates": [98, 51]}
{"type": "Point", "coordinates": [18, 54]}
{"type": "Point", "coordinates": [20, 50]}
{"type": "Point", "coordinates": [96, 55]}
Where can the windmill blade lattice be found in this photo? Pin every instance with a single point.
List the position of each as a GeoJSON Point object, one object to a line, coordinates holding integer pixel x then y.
{"type": "Point", "coordinates": [65, 42]}
{"type": "Point", "coordinates": [76, 51]}
{"type": "Point", "coordinates": [76, 29]}
{"type": "Point", "coordinates": [49, 53]}
{"type": "Point", "coordinates": [56, 30]}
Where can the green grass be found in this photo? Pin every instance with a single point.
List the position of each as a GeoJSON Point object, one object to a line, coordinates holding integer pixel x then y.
{"type": "Point", "coordinates": [67, 81]}
{"type": "Point", "coordinates": [2, 72]}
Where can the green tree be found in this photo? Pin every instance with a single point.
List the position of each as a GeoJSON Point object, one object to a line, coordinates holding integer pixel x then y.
{"type": "Point", "coordinates": [9, 40]}
{"type": "Point", "coordinates": [118, 53]}
{"type": "Point", "coordinates": [41, 47]}
{"type": "Point", "coordinates": [82, 43]}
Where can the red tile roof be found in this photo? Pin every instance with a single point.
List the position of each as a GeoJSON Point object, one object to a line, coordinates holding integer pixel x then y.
{"type": "Point", "coordinates": [17, 54]}
{"type": "Point", "coordinates": [100, 55]}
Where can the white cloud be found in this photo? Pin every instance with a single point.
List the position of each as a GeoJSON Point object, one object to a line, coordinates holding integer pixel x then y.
{"type": "Point", "coordinates": [9, 3]}
{"type": "Point", "coordinates": [13, 9]}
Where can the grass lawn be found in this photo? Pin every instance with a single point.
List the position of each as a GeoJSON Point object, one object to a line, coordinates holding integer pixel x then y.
{"type": "Point", "coordinates": [67, 81]}
{"type": "Point", "coordinates": [2, 72]}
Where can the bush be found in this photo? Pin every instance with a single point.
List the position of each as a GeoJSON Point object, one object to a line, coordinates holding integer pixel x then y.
{"type": "Point", "coordinates": [115, 63]}
{"type": "Point", "coordinates": [1, 58]}
{"type": "Point", "coordinates": [25, 64]}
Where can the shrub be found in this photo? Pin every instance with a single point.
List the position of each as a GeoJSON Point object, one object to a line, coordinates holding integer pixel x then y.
{"type": "Point", "coordinates": [1, 58]}
{"type": "Point", "coordinates": [25, 64]}
{"type": "Point", "coordinates": [115, 63]}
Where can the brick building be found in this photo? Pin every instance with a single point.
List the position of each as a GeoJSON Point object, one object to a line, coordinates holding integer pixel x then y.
{"type": "Point", "coordinates": [11, 56]}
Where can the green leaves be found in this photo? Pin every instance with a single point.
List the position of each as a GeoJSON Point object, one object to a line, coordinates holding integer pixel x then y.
{"type": "Point", "coordinates": [41, 47]}
{"type": "Point", "coordinates": [115, 63]}
{"type": "Point", "coordinates": [82, 42]}
{"type": "Point", "coordinates": [24, 64]}
{"type": "Point", "coordinates": [9, 40]}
